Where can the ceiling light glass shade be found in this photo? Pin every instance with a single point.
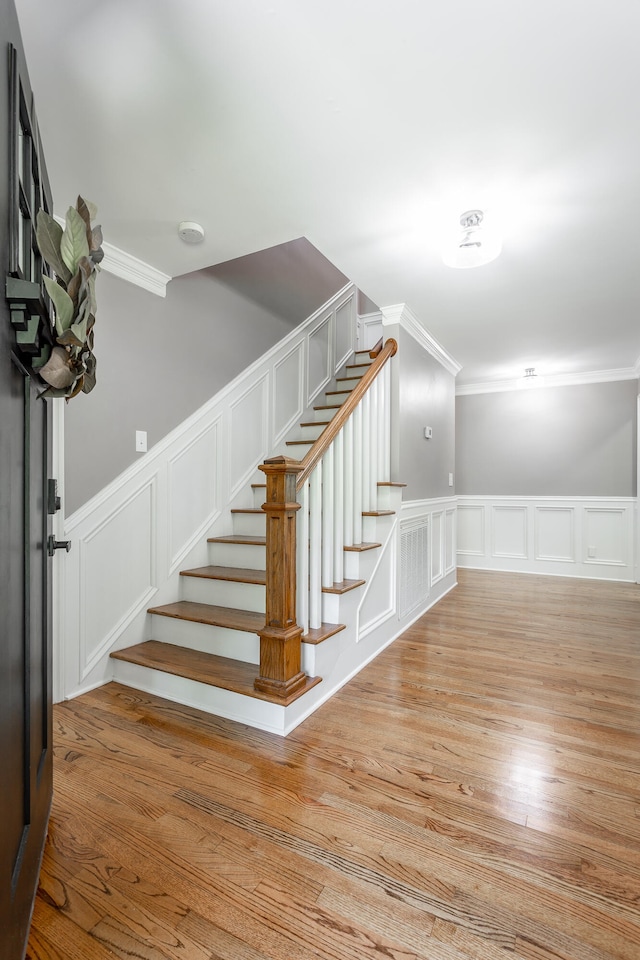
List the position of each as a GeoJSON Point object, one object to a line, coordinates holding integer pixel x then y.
{"type": "Point", "coordinates": [475, 245]}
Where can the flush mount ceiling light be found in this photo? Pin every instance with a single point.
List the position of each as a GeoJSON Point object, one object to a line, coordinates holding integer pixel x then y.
{"type": "Point", "coordinates": [190, 232]}
{"type": "Point", "coordinates": [529, 372]}
{"type": "Point", "coordinates": [475, 246]}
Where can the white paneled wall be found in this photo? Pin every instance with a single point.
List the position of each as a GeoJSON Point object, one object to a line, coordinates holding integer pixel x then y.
{"type": "Point", "coordinates": [573, 537]}
{"type": "Point", "coordinates": [427, 550]}
{"type": "Point", "coordinates": [130, 541]}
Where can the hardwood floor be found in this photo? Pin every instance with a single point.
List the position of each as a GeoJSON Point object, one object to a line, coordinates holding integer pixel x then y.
{"type": "Point", "coordinates": [473, 793]}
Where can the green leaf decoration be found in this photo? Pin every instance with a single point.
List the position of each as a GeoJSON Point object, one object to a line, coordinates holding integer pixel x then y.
{"type": "Point", "coordinates": [96, 239]}
{"type": "Point", "coordinates": [70, 338]}
{"type": "Point", "coordinates": [57, 371]}
{"type": "Point", "coordinates": [73, 245]}
{"type": "Point", "coordinates": [93, 210]}
{"type": "Point", "coordinates": [62, 302]}
{"type": "Point", "coordinates": [90, 374]}
{"type": "Point", "coordinates": [49, 237]}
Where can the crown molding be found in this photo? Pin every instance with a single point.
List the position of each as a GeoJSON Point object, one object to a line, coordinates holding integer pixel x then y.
{"type": "Point", "coordinates": [129, 268]}
{"type": "Point", "coordinates": [401, 314]}
{"type": "Point", "coordinates": [552, 380]}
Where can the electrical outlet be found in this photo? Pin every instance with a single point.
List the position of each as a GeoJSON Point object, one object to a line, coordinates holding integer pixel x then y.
{"type": "Point", "coordinates": [450, 479]}
{"type": "Point", "coordinates": [141, 441]}
{"type": "Point", "coordinates": [591, 553]}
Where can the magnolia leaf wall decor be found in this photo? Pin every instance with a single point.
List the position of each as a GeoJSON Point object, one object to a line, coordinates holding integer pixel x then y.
{"type": "Point", "coordinates": [74, 254]}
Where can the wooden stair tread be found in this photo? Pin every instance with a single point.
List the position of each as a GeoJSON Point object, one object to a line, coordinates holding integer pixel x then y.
{"type": "Point", "coordinates": [297, 443]}
{"type": "Point", "coordinates": [331, 393]}
{"type": "Point", "coordinates": [323, 632]}
{"type": "Point", "coordinates": [378, 513]}
{"type": "Point", "coordinates": [236, 574]}
{"type": "Point", "coordinates": [343, 586]}
{"type": "Point", "coordinates": [239, 538]}
{"type": "Point", "coordinates": [215, 671]}
{"type": "Point", "coordinates": [342, 379]}
{"type": "Point", "coordinates": [361, 547]}
{"type": "Point", "coordinates": [248, 510]}
{"type": "Point", "coordinates": [390, 483]}
{"type": "Point", "coordinates": [358, 366]}
{"type": "Point", "coordinates": [316, 423]}
{"type": "Point", "coordinates": [212, 615]}
{"type": "Point", "coordinates": [328, 406]}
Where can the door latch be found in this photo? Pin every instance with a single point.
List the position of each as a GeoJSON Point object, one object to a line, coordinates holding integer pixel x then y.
{"type": "Point", "coordinates": [53, 545]}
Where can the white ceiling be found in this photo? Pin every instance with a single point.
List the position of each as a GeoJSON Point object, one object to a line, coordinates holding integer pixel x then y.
{"type": "Point", "coordinates": [368, 126]}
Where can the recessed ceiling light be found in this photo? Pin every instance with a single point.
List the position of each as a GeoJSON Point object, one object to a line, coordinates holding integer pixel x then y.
{"type": "Point", "coordinates": [190, 232]}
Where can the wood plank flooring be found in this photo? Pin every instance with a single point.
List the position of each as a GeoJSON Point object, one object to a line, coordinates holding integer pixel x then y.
{"type": "Point", "coordinates": [473, 794]}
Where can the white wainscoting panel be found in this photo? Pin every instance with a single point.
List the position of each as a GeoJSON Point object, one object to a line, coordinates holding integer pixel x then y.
{"type": "Point", "coordinates": [378, 603]}
{"type": "Point", "coordinates": [555, 534]}
{"type": "Point", "coordinates": [318, 359]}
{"type": "Point", "coordinates": [450, 540]}
{"type": "Point", "coordinates": [426, 554]}
{"type": "Point", "coordinates": [563, 536]}
{"type": "Point", "coordinates": [509, 531]}
{"type": "Point", "coordinates": [248, 433]}
{"type": "Point", "coordinates": [131, 540]}
{"type": "Point", "coordinates": [125, 540]}
{"type": "Point", "coordinates": [194, 494]}
{"type": "Point", "coordinates": [344, 336]}
{"type": "Point", "coordinates": [471, 529]}
{"type": "Point", "coordinates": [604, 538]}
{"type": "Point", "coordinates": [437, 546]}
{"type": "Point", "coordinates": [288, 401]}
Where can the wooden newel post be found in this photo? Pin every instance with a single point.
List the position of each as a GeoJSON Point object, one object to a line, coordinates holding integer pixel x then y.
{"type": "Point", "coordinates": [280, 672]}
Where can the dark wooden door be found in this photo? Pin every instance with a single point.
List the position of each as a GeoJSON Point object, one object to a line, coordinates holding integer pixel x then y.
{"type": "Point", "coordinates": [25, 657]}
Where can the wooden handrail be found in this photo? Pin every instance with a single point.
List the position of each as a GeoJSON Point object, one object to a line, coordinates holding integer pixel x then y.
{"type": "Point", "coordinates": [327, 437]}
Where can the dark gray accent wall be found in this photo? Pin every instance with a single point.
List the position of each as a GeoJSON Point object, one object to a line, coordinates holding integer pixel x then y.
{"type": "Point", "coordinates": [574, 441]}
{"type": "Point", "coordinates": [159, 360]}
{"type": "Point", "coordinates": [426, 398]}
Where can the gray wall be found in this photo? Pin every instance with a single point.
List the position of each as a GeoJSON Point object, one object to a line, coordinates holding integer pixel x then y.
{"type": "Point", "coordinates": [426, 398]}
{"type": "Point", "coordinates": [160, 359]}
{"type": "Point", "coordinates": [577, 441]}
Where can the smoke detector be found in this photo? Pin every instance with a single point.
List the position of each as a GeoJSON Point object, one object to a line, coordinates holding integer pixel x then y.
{"type": "Point", "coordinates": [190, 232]}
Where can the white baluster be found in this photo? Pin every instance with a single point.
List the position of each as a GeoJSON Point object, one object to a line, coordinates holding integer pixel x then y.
{"type": "Point", "coordinates": [315, 548]}
{"type": "Point", "coordinates": [366, 452]}
{"type": "Point", "coordinates": [374, 426]}
{"type": "Point", "coordinates": [386, 374]}
{"type": "Point", "coordinates": [348, 482]}
{"type": "Point", "coordinates": [302, 559]}
{"type": "Point", "coordinates": [327, 518]}
{"type": "Point", "coordinates": [382, 418]}
{"type": "Point", "coordinates": [357, 474]}
{"type": "Point", "coordinates": [338, 508]}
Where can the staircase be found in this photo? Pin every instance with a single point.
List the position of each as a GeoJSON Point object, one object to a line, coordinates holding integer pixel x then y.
{"type": "Point", "coordinates": [206, 647]}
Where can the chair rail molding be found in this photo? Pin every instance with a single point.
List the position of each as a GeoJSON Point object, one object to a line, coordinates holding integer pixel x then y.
{"type": "Point", "coordinates": [587, 537]}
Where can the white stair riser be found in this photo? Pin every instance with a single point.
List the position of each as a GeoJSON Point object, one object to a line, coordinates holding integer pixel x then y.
{"type": "Point", "coordinates": [224, 593]}
{"type": "Point", "coordinates": [242, 555]}
{"type": "Point", "coordinates": [311, 432]}
{"type": "Point", "coordinates": [249, 524]}
{"type": "Point", "coordinates": [338, 397]}
{"type": "Point", "coordinates": [325, 414]}
{"type": "Point", "coordinates": [259, 495]}
{"type": "Point", "coordinates": [235, 644]}
{"type": "Point", "coordinates": [220, 703]}
{"type": "Point", "coordinates": [390, 498]}
{"type": "Point", "coordinates": [299, 450]}
{"type": "Point", "coordinates": [348, 384]}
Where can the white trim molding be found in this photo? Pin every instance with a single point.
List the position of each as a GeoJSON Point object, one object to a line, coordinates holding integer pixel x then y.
{"type": "Point", "coordinates": [592, 538]}
{"type": "Point", "coordinates": [551, 380]}
{"type": "Point", "coordinates": [401, 314]}
{"type": "Point", "coordinates": [127, 267]}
